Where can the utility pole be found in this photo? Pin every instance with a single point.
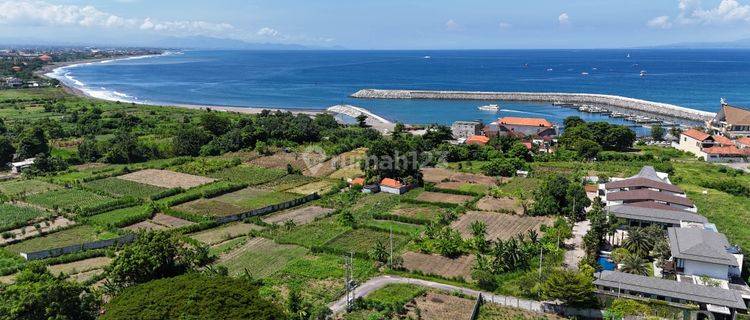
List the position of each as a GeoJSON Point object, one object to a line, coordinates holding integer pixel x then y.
{"type": "Point", "coordinates": [390, 258]}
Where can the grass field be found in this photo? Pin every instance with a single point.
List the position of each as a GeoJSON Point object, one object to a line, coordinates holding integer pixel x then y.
{"type": "Point", "coordinates": [491, 311]}
{"type": "Point", "coordinates": [363, 240]}
{"type": "Point", "coordinates": [12, 216]}
{"type": "Point", "coordinates": [421, 212]}
{"type": "Point", "coordinates": [395, 294]}
{"type": "Point", "coordinates": [119, 188]}
{"type": "Point", "coordinates": [397, 227]}
{"type": "Point", "coordinates": [439, 265]}
{"type": "Point", "coordinates": [517, 186]}
{"type": "Point", "coordinates": [500, 226]}
{"type": "Point", "coordinates": [261, 257]}
{"type": "Point", "coordinates": [313, 234]}
{"type": "Point", "coordinates": [435, 305]}
{"type": "Point", "coordinates": [224, 232]}
{"type": "Point", "coordinates": [288, 182]}
{"type": "Point", "coordinates": [121, 217]}
{"type": "Point", "coordinates": [67, 199]}
{"type": "Point", "coordinates": [26, 186]}
{"type": "Point", "coordinates": [443, 197]}
{"type": "Point", "coordinates": [313, 187]}
{"type": "Point", "coordinates": [249, 174]}
{"type": "Point", "coordinates": [9, 259]}
{"type": "Point", "coordinates": [67, 237]}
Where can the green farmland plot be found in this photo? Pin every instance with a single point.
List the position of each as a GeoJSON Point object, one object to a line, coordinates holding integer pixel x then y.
{"type": "Point", "coordinates": [12, 216]}
{"type": "Point", "coordinates": [121, 187]}
{"type": "Point", "coordinates": [312, 234]}
{"type": "Point", "coordinates": [251, 175]}
{"type": "Point", "coordinates": [363, 241]}
{"type": "Point", "coordinates": [121, 217]}
{"type": "Point", "coordinates": [76, 235]}
{"type": "Point", "coordinates": [261, 257]}
{"type": "Point", "coordinates": [68, 199]}
{"type": "Point", "coordinates": [26, 186]}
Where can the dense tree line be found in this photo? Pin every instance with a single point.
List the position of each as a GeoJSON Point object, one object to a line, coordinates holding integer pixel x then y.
{"type": "Point", "coordinates": [589, 138]}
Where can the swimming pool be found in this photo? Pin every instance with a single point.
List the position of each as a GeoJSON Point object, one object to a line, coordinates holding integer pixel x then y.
{"type": "Point", "coordinates": [607, 264]}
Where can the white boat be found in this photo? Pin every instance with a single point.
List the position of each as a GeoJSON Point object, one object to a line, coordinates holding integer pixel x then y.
{"type": "Point", "coordinates": [643, 73]}
{"type": "Point", "coordinates": [427, 57]}
{"type": "Point", "coordinates": [490, 107]}
{"type": "Point", "coordinates": [584, 73]}
{"type": "Point", "coordinates": [549, 69]}
{"type": "Point", "coordinates": [628, 55]}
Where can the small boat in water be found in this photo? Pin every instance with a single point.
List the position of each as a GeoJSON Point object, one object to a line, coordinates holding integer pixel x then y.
{"type": "Point", "coordinates": [643, 73]}
{"type": "Point", "coordinates": [427, 57]}
{"type": "Point", "coordinates": [584, 73]}
{"type": "Point", "coordinates": [490, 107]}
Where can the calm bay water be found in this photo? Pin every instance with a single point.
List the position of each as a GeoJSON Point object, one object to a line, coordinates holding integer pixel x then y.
{"type": "Point", "coordinates": [318, 79]}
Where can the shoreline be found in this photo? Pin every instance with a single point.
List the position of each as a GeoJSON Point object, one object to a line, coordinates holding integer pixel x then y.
{"type": "Point", "coordinates": [48, 70]}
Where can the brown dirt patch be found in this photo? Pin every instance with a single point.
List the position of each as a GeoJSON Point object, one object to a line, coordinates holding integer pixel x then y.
{"type": "Point", "coordinates": [328, 167]}
{"type": "Point", "coordinates": [436, 175]}
{"type": "Point", "coordinates": [224, 233]}
{"type": "Point", "coordinates": [443, 197]}
{"type": "Point", "coordinates": [166, 178]}
{"type": "Point", "coordinates": [299, 216]}
{"type": "Point", "coordinates": [280, 160]}
{"type": "Point", "coordinates": [80, 266]}
{"type": "Point", "coordinates": [499, 226]}
{"type": "Point", "coordinates": [145, 225]}
{"type": "Point", "coordinates": [86, 276]}
{"type": "Point", "coordinates": [439, 265]}
{"type": "Point", "coordinates": [170, 221]}
{"type": "Point", "coordinates": [90, 166]}
{"type": "Point", "coordinates": [504, 204]}
{"type": "Point", "coordinates": [313, 187]}
{"type": "Point", "coordinates": [438, 306]}
{"type": "Point", "coordinates": [428, 213]}
{"type": "Point", "coordinates": [215, 208]}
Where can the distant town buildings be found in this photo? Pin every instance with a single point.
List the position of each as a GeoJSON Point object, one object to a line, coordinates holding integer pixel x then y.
{"type": "Point", "coordinates": [521, 127]}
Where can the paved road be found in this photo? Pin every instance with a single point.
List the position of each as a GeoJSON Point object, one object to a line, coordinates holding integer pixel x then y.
{"type": "Point", "coordinates": [576, 252]}
{"type": "Point", "coordinates": [379, 282]}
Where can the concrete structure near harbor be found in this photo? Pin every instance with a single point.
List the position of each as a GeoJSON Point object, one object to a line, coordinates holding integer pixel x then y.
{"type": "Point", "coordinates": [668, 111]}
{"type": "Point", "coordinates": [731, 121]}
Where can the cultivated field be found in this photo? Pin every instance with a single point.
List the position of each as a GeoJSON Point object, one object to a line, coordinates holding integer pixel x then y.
{"type": "Point", "coordinates": [500, 226]}
{"type": "Point", "coordinates": [261, 257]}
{"type": "Point", "coordinates": [67, 199]}
{"type": "Point", "coordinates": [299, 216]}
{"type": "Point", "coordinates": [443, 197]}
{"type": "Point", "coordinates": [504, 204]}
{"type": "Point", "coordinates": [280, 160]}
{"type": "Point", "coordinates": [252, 175]}
{"type": "Point", "coordinates": [26, 187]}
{"type": "Point", "coordinates": [315, 187]}
{"type": "Point", "coordinates": [121, 187]}
{"type": "Point", "coordinates": [223, 233]}
{"type": "Point", "coordinates": [169, 221]}
{"type": "Point", "coordinates": [16, 216]}
{"type": "Point", "coordinates": [288, 182]}
{"type": "Point", "coordinates": [75, 235]}
{"type": "Point", "coordinates": [491, 311]}
{"type": "Point", "coordinates": [417, 212]}
{"type": "Point", "coordinates": [119, 217]}
{"type": "Point", "coordinates": [235, 202]}
{"type": "Point", "coordinates": [438, 175]}
{"type": "Point", "coordinates": [80, 266]}
{"type": "Point", "coordinates": [32, 231]}
{"type": "Point", "coordinates": [348, 172]}
{"type": "Point", "coordinates": [363, 240]}
{"type": "Point", "coordinates": [166, 179]}
{"type": "Point", "coordinates": [332, 165]}
{"type": "Point", "coordinates": [440, 306]}
{"type": "Point", "coordinates": [439, 265]}
{"type": "Point", "coordinates": [463, 186]}
{"type": "Point", "coordinates": [145, 225]}
{"type": "Point", "coordinates": [316, 233]}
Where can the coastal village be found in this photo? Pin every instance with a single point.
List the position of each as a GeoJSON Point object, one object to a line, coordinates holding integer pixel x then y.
{"type": "Point", "coordinates": [302, 216]}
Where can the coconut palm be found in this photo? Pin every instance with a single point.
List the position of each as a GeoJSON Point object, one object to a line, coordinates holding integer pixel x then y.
{"type": "Point", "coordinates": [634, 264]}
{"type": "Point", "coordinates": [638, 242]}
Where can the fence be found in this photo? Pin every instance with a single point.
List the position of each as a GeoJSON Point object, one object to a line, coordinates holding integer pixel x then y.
{"type": "Point", "coordinates": [477, 306]}
{"type": "Point", "coordinates": [268, 209]}
{"type": "Point", "coordinates": [36, 255]}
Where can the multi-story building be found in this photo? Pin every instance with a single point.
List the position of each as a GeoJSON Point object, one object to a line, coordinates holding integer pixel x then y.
{"type": "Point", "coordinates": [466, 129]}
{"type": "Point", "coordinates": [731, 121]}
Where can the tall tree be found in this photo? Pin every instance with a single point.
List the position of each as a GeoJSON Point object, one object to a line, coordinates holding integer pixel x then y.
{"type": "Point", "coordinates": [32, 141]}
{"type": "Point", "coordinates": [188, 140]}
{"type": "Point", "coordinates": [573, 288]}
{"type": "Point", "coordinates": [6, 151]}
{"type": "Point", "coordinates": [657, 132]}
{"type": "Point", "coordinates": [634, 264]}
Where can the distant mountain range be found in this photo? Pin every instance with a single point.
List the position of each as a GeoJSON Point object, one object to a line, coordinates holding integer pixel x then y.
{"type": "Point", "coordinates": [737, 44]}
{"type": "Point", "coordinates": [195, 42]}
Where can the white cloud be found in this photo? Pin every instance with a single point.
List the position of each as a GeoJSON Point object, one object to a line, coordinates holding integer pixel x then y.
{"type": "Point", "coordinates": [727, 11]}
{"type": "Point", "coordinates": [563, 19]}
{"type": "Point", "coordinates": [504, 25]}
{"type": "Point", "coordinates": [268, 32]}
{"type": "Point", "coordinates": [40, 13]}
{"type": "Point", "coordinates": [661, 22]}
{"type": "Point", "coordinates": [451, 25]}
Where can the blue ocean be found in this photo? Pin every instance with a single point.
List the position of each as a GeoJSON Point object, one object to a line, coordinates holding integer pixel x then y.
{"type": "Point", "coordinates": [318, 79]}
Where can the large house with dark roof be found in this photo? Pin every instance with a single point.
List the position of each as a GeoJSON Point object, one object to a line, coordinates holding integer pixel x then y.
{"type": "Point", "coordinates": [703, 252]}
{"type": "Point", "coordinates": [647, 186]}
{"type": "Point", "coordinates": [648, 213]}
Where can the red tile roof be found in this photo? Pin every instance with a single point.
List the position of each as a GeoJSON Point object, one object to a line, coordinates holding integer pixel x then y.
{"type": "Point", "coordinates": [648, 195]}
{"type": "Point", "coordinates": [533, 122]}
{"type": "Point", "coordinates": [697, 135]}
{"type": "Point", "coordinates": [388, 182]}
{"type": "Point", "coordinates": [728, 150]}
{"type": "Point", "coordinates": [744, 141]}
{"type": "Point", "coordinates": [480, 140]}
{"type": "Point", "coordinates": [724, 141]}
{"type": "Point", "coordinates": [358, 182]}
{"type": "Point", "coordinates": [643, 183]}
{"type": "Point", "coordinates": [528, 145]}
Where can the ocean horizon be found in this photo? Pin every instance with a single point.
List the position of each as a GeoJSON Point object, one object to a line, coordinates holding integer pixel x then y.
{"type": "Point", "coordinates": [315, 80]}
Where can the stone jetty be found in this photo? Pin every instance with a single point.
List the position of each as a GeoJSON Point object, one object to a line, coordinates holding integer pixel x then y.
{"type": "Point", "coordinates": [657, 108]}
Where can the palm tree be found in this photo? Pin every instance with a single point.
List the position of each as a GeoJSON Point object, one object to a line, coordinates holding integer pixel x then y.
{"type": "Point", "coordinates": [634, 264]}
{"type": "Point", "coordinates": [638, 242]}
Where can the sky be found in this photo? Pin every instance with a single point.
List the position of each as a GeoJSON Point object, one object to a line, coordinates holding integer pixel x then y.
{"type": "Point", "coordinates": [383, 24]}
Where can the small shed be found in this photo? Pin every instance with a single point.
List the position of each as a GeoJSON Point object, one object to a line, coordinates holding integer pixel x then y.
{"type": "Point", "coordinates": [17, 167]}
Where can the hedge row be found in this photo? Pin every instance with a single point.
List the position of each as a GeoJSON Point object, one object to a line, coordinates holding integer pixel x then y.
{"type": "Point", "coordinates": [437, 204]}
{"type": "Point", "coordinates": [166, 193]}
{"type": "Point", "coordinates": [384, 229]}
{"type": "Point", "coordinates": [433, 188]}
{"type": "Point", "coordinates": [196, 227]}
{"type": "Point", "coordinates": [222, 189]}
{"type": "Point", "coordinates": [338, 252]}
{"type": "Point", "coordinates": [184, 215]}
{"type": "Point", "coordinates": [107, 206]}
{"type": "Point", "coordinates": [393, 217]}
